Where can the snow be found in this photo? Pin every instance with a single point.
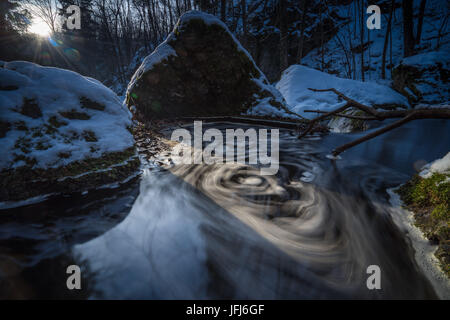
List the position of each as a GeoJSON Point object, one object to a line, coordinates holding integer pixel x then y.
{"type": "Point", "coordinates": [162, 52]}
{"type": "Point", "coordinates": [428, 59]}
{"type": "Point", "coordinates": [440, 166]}
{"type": "Point", "coordinates": [55, 91]}
{"type": "Point", "coordinates": [296, 80]}
{"type": "Point", "coordinates": [264, 108]}
{"type": "Point", "coordinates": [432, 67]}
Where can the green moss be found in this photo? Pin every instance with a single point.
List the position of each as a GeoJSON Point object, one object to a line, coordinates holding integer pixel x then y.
{"type": "Point", "coordinates": [30, 161]}
{"type": "Point", "coordinates": [55, 122]}
{"type": "Point", "coordinates": [26, 181]}
{"type": "Point", "coordinates": [89, 136]}
{"type": "Point", "coordinates": [36, 132]}
{"type": "Point", "coordinates": [30, 108]}
{"type": "Point", "coordinates": [23, 144]}
{"type": "Point", "coordinates": [42, 145]}
{"type": "Point", "coordinates": [89, 104]}
{"type": "Point", "coordinates": [429, 199]}
{"type": "Point", "coordinates": [64, 155]}
{"type": "Point", "coordinates": [4, 128]}
{"type": "Point", "coordinates": [20, 125]}
{"type": "Point", "coordinates": [49, 129]}
{"type": "Point", "coordinates": [75, 115]}
{"type": "Point", "coordinates": [209, 75]}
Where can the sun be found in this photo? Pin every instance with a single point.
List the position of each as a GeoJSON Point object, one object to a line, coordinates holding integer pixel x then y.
{"type": "Point", "coordinates": [40, 28]}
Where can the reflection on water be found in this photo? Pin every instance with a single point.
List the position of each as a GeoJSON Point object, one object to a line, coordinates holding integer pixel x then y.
{"type": "Point", "coordinates": [224, 231]}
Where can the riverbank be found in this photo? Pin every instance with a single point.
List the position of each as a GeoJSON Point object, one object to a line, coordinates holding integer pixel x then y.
{"type": "Point", "coordinates": [424, 250]}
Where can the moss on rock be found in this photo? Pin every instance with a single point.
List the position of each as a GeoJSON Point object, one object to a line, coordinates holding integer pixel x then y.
{"type": "Point", "coordinates": [209, 75]}
{"type": "Point", "coordinates": [25, 182]}
{"type": "Point", "coordinates": [30, 108]}
{"type": "Point", "coordinates": [75, 115]}
{"type": "Point", "coordinates": [429, 199]}
{"type": "Point", "coordinates": [89, 104]}
{"type": "Point", "coordinates": [61, 133]}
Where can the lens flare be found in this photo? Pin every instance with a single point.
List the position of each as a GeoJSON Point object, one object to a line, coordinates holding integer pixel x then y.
{"type": "Point", "coordinates": [72, 54]}
{"type": "Point", "coordinates": [40, 28]}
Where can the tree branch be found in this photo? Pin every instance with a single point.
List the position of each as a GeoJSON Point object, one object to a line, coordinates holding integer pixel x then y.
{"type": "Point", "coordinates": [406, 115]}
{"type": "Point", "coordinates": [349, 116]}
{"type": "Point", "coordinates": [350, 101]}
{"type": "Point", "coordinates": [374, 134]}
{"type": "Point", "coordinates": [319, 118]}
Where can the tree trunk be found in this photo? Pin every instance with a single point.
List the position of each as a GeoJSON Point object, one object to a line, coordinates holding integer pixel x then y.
{"type": "Point", "coordinates": [361, 33]}
{"type": "Point", "coordinates": [408, 30]}
{"type": "Point", "coordinates": [283, 36]}
{"type": "Point", "coordinates": [223, 9]}
{"type": "Point", "coordinates": [302, 33]}
{"type": "Point", "coordinates": [420, 21]}
{"type": "Point", "coordinates": [386, 41]}
{"type": "Point", "coordinates": [244, 17]}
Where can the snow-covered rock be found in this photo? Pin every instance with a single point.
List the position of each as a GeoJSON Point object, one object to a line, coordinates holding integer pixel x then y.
{"type": "Point", "coordinates": [440, 166]}
{"type": "Point", "coordinates": [424, 77]}
{"type": "Point", "coordinates": [56, 125]}
{"type": "Point", "coordinates": [295, 83]}
{"type": "Point", "coordinates": [201, 70]}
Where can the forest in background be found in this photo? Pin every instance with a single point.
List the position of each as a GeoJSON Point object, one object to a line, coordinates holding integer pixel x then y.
{"type": "Point", "coordinates": [116, 35]}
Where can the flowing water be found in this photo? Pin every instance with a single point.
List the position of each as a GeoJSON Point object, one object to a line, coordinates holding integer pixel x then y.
{"type": "Point", "coordinates": [225, 231]}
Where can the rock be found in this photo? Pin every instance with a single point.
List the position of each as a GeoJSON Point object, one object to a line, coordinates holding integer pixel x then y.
{"type": "Point", "coordinates": [200, 70]}
{"type": "Point", "coordinates": [424, 78]}
{"type": "Point", "coordinates": [60, 132]}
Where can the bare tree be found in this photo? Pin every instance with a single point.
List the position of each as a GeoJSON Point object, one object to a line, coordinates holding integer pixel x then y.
{"type": "Point", "coordinates": [302, 32]}
{"type": "Point", "coordinates": [408, 24]}
{"type": "Point", "coordinates": [46, 10]}
{"type": "Point", "coordinates": [361, 10]}
{"type": "Point", "coordinates": [386, 40]}
{"type": "Point", "coordinates": [283, 35]}
{"type": "Point", "coordinates": [442, 29]}
{"type": "Point", "coordinates": [223, 9]}
{"type": "Point", "coordinates": [420, 21]}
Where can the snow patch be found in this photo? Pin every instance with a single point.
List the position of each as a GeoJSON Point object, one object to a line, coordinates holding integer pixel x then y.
{"type": "Point", "coordinates": [439, 165]}
{"type": "Point", "coordinates": [296, 80]}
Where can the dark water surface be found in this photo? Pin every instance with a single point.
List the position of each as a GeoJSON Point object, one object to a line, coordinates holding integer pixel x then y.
{"type": "Point", "coordinates": [225, 231]}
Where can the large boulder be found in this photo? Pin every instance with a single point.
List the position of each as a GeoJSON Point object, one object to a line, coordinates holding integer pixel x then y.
{"type": "Point", "coordinates": [201, 70]}
{"type": "Point", "coordinates": [424, 78]}
{"type": "Point", "coordinates": [60, 132]}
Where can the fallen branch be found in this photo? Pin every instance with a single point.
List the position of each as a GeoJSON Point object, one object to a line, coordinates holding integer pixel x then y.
{"type": "Point", "coordinates": [350, 101]}
{"type": "Point", "coordinates": [405, 115]}
{"type": "Point", "coordinates": [327, 114]}
{"type": "Point", "coordinates": [349, 116]}
{"type": "Point", "coordinates": [374, 134]}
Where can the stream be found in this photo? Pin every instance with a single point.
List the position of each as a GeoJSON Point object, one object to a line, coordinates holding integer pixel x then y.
{"type": "Point", "coordinates": [224, 231]}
